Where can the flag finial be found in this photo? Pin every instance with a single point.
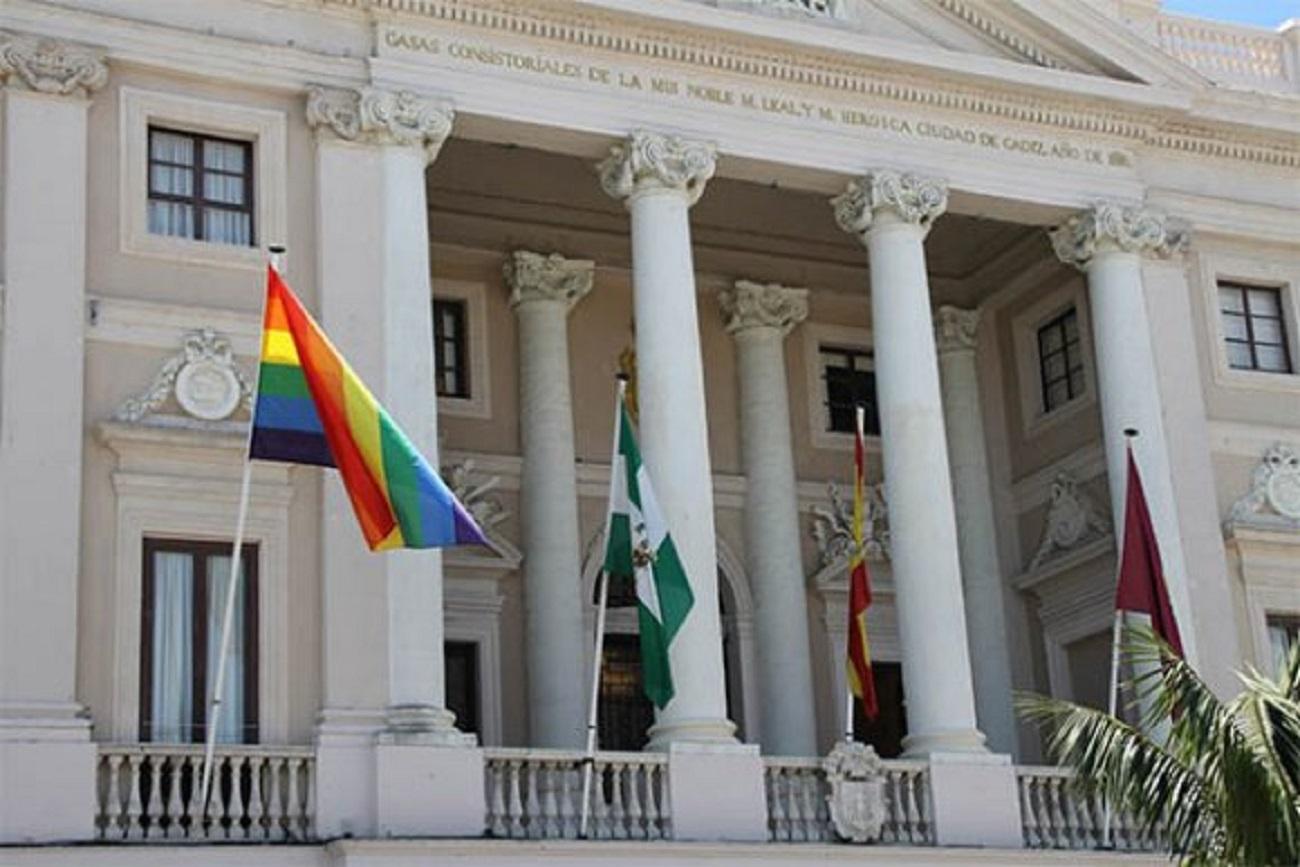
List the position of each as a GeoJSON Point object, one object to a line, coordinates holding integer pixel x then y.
{"type": "Point", "coordinates": [1131, 432]}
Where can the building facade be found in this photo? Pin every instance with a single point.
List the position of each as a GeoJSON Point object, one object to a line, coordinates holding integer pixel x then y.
{"type": "Point", "coordinates": [1010, 231]}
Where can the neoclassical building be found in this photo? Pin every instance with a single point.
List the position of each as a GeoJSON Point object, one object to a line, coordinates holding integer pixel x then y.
{"type": "Point", "coordinates": [1008, 230]}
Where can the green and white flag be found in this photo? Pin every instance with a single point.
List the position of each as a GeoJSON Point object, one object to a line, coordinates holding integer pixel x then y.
{"type": "Point", "coordinates": [639, 549]}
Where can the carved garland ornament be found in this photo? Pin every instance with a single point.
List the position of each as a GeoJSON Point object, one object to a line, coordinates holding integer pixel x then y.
{"type": "Point", "coordinates": [535, 277]}
{"type": "Point", "coordinates": [1072, 520]}
{"type": "Point", "coordinates": [833, 527]}
{"type": "Point", "coordinates": [207, 383]}
{"type": "Point", "coordinates": [51, 66]}
{"type": "Point", "coordinates": [650, 160]}
{"type": "Point", "coordinates": [763, 305]}
{"type": "Point", "coordinates": [857, 798]}
{"type": "Point", "coordinates": [1109, 226]}
{"type": "Point", "coordinates": [476, 496]}
{"type": "Point", "coordinates": [913, 198]}
{"type": "Point", "coordinates": [1274, 497]}
{"type": "Point", "coordinates": [955, 329]}
{"type": "Point", "coordinates": [373, 116]}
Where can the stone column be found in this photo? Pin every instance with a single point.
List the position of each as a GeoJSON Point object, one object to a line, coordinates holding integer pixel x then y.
{"type": "Point", "coordinates": [46, 759]}
{"type": "Point", "coordinates": [543, 289]}
{"type": "Point", "coordinates": [955, 333]}
{"type": "Point", "coordinates": [383, 626]}
{"type": "Point", "coordinates": [759, 317]}
{"type": "Point", "coordinates": [1107, 242]}
{"type": "Point", "coordinates": [892, 213]}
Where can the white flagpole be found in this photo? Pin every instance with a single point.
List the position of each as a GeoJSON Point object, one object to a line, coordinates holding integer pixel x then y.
{"type": "Point", "coordinates": [232, 593]}
{"type": "Point", "coordinates": [589, 760]}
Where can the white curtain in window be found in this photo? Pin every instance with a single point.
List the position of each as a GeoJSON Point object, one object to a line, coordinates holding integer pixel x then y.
{"type": "Point", "coordinates": [226, 227]}
{"type": "Point", "coordinates": [173, 618]}
{"type": "Point", "coordinates": [1280, 642]}
{"type": "Point", "coordinates": [230, 729]}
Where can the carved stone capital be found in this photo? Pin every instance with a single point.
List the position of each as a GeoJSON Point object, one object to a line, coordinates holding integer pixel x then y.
{"type": "Point", "coordinates": [908, 197]}
{"type": "Point", "coordinates": [955, 329]}
{"type": "Point", "coordinates": [650, 160]}
{"type": "Point", "coordinates": [1109, 227]}
{"type": "Point", "coordinates": [535, 277]}
{"type": "Point", "coordinates": [383, 117]}
{"type": "Point", "coordinates": [763, 305]}
{"type": "Point", "coordinates": [50, 65]}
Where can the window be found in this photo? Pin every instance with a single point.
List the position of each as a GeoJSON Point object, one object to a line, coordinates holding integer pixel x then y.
{"type": "Point", "coordinates": [185, 586]}
{"type": "Point", "coordinates": [1060, 360]}
{"type": "Point", "coordinates": [1283, 634]}
{"type": "Point", "coordinates": [850, 382]}
{"type": "Point", "coordinates": [886, 732]}
{"type": "Point", "coordinates": [450, 348]}
{"type": "Point", "coordinates": [200, 187]}
{"type": "Point", "coordinates": [1253, 328]}
{"type": "Point", "coordinates": [460, 663]}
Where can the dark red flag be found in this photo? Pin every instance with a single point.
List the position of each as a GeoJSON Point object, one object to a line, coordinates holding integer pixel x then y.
{"type": "Point", "coordinates": [1141, 576]}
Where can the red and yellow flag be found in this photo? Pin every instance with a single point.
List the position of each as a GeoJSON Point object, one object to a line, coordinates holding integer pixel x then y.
{"type": "Point", "coordinates": [861, 681]}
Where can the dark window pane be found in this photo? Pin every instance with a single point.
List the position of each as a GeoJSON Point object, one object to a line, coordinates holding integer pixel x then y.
{"type": "Point", "coordinates": [460, 660]}
{"type": "Point", "coordinates": [450, 349]}
{"type": "Point", "coordinates": [886, 732]}
{"type": "Point", "coordinates": [1060, 360]}
{"type": "Point", "coordinates": [850, 383]}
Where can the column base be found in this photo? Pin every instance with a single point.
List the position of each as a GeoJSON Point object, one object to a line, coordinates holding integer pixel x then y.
{"type": "Point", "coordinates": [345, 771]}
{"type": "Point", "coordinates": [717, 792]}
{"type": "Point", "coordinates": [975, 800]}
{"type": "Point", "coordinates": [967, 741]}
{"type": "Point", "coordinates": [423, 725]}
{"type": "Point", "coordinates": [429, 791]}
{"type": "Point", "coordinates": [691, 731]}
{"type": "Point", "coordinates": [47, 773]}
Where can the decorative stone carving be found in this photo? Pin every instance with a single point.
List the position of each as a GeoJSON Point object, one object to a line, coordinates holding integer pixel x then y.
{"type": "Point", "coordinates": [1273, 501]}
{"type": "Point", "coordinates": [912, 198]}
{"type": "Point", "coordinates": [1110, 226]}
{"type": "Point", "coordinates": [204, 378]}
{"type": "Point", "coordinates": [535, 277]}
{"type": "Point", "coordinates": [476, 495]}
{"type": "Point", "coordinates": [833, 527]}
{"type": "Point", "coordinates": [383, 117]}
{"type": "Point", "coordinates": [650, 160]}
{"type": "Point", "coordinates": [763, 305]}
{"type": "Point", "coordinates": [955, 329]}
{"type": "Point", "coordinates": [51, 65]}
{"type": "Point", "coordinates": [857, 797]}
{"type": "Point", "coordinates": [1073, 519]}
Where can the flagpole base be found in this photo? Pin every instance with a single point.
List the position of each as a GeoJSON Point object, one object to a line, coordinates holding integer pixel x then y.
{"type": "Point", "coordinates": [950, 741]}
{"type": "Point", "coordinates": [690, 731]}
{"type": "Point", "coordinates": [423, 725]}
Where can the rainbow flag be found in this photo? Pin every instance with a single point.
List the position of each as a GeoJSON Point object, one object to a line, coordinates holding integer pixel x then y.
{"type": "Point", "coordinates": [312, 409]}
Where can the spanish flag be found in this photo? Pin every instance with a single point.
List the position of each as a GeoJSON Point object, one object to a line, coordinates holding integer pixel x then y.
{"type": "Point", "coordinates": [861, 682]}
{"type": "Point", "coordinates": [312, 409]}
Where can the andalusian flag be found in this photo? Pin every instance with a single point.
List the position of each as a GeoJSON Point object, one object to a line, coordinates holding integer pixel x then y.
{"type": "Point", "coordinates": [639, 548]}
{"type": "Point", "coordinates": [861, 681]}
{"type": "Point", "coordinates": [312, 409]}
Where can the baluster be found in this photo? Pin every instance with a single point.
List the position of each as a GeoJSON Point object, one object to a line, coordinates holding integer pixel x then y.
{"type": "Point", "coordinates": [238, 806]}
{"type": "Point", "coordinates": [113, 799]}
{"type": "Point", "coordinates": [496, 798]}
{"type": "Point", "coordinates": [665, 802]}
{"type": "Point", "coordinates": [195, 824]}
{"type": "Point", "coordinates": [798, 821]}
{"type": "Point", "coordinates": [923, 819]}
{"type": "Point", "coordinates": [652, 830]}
{"type": "Point", "coordinates": [635, 829]}
{"type": "Point", "coordinates": [532, 804]}
{"type": "Point", "coordinates": [1027, 823]}
{"type": "Point", "coordinates": [823, 811]}
{"type": "Point", "coordinates": [810, 804]}
{"type": "Point", "coordinates": [309, 799]}
{"type": "Point", "coordinates": [291, 798]}
{"type": "Point", "coordinates": [1057, 818]}
{"type": "Point", "coordinates": [516, 800]}
{"type": "Point", "coordinates": [568, 817]}
{"type": "Point", "coordinates": [550, 825]}
{"type": "Point", "coordinates": [618, 812]}
{"type": "Point", "coordinates": [600, 807]}
{"type": "Point", "coordinates": [134, 810]}
{"type": "Point", "coordinates": [169, 802]}
{"type": "Point", "coordinates": [911, 813]}
{"type": "Point", "coordinates": [259, 827]}
{"type": "Point", "coordinates": [153, 804]}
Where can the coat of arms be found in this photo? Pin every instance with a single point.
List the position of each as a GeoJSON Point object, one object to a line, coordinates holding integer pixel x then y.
{"type": "Point", "coordinates": [857, 798]}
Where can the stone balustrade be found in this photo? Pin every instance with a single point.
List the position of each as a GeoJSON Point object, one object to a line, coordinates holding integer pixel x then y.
{"type": "Point", "coordinates": [797, 791]}
{"type": "Point", "coordinates": [537, 794]}
{"type": "Point", "coordinates": [150, 792]}
{"type": "Point", "coordinates": [1229, 54]}
{"type": "Point", "coordinates": [1056, 815]}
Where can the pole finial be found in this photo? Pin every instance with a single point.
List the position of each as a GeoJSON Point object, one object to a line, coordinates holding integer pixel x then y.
{"type": "Point", "coordinates": [622, 376]}
{"type": "Point", "coordinates": [1131, 432]}
{"type": "Point", "coordinates": [275, 249]}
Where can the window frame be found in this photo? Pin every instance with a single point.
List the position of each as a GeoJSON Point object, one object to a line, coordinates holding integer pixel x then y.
{"type": "Point", "coordinates": [853, 354]}
{"type": "Point", "coordinates": [1045, 383]}
{"type": "Point", "coordinates": [200, 551]}
{"type": "Point", "coordinates": [814, 336]}
{"type": "Point", "coordinates": [1043, 304]}
{"type": "Point", "coordinates": [1245, 288]}
{"type": "Point", "coordinates": [1222, 262]}
{"type": "Point", "coordinates": [198, 172]}
{"type": "Point", "coordinates": [460, 344]}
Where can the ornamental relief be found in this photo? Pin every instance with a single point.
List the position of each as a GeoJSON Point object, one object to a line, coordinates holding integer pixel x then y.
{"type": "Point", "coordinates": [203, 380]}
{"type": "Point", "coordinates": [1273, 501]}
{"type": "Point", "coordinates": [383, 117]}
{"type": "Point", "coordinates": [651, 160]}
{"type": "Point", "coordinates": [1111, 226]}
{"type": "Point", "coordinates": [910, 197]}
{"type": "Point", "coordinates": [832, 528]}
{"type": "Point", "coordinates": [1073, 521]}
{"type": "Point", "coordinates": [763, 305]}
{"type": "Point", "coordinates": [50, 65]}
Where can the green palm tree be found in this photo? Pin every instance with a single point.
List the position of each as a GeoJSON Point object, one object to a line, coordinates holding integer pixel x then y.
{"type": "Point", "coordinates": [1221, 780]}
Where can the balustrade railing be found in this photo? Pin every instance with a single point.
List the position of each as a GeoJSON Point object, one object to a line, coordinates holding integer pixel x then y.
{"type": "Point", "coordinates": [151, 792]}
{"type": "Point", "coordinates": [798, 812]}
{"type": "Point", "coordinates": [537, 794]}
{"type": "Point", "coordinates": [1226, 53]}
{"type": "Point", "coordinates": [1055, 814]}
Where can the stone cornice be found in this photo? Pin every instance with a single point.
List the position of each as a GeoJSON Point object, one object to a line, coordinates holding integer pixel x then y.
{"type": "Point", "coordinates": [52, 66]}
{"type": "Point", "coordinates": [535, 277]}
{"type": "Point", "coordinates": [911, 198]}
{"type": "Point", "coordinates": [748, 305]}
{"type": "Point", "coordinates": [649, 160]}
{"type": "Point", "coordinates": [382, 117]}
{"type": "Point", "coordinates": [1111, 227]}
{"type": "Point", "coordinates": [955, 329]}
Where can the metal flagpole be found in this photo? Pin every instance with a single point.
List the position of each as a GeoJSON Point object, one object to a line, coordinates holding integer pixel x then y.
{"type": "Point", "coordinates": [589, 760]}
{"type": "Point", "coordinates": [232, 592]}
{"type": "Point", "coordinates": [1113, 696]}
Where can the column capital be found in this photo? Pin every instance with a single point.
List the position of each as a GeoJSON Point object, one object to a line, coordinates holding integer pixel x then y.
{"type": "Point", "coordinates": [749, 305]}
{"type": "Point", "coordinates": [537, 277]}
{"type": "Point", "coordinates": [954, 329]}
{"type": "Point", "coordinates": [1113, 227]}
{"type": "Point", "coordinates": [45, 65]}
{"type": "Point", "coordinates": [370, 115]}
{"type": "Point", "coordinates": [908, 197]}
{"type": "Point", "coordinates": [650, 160]}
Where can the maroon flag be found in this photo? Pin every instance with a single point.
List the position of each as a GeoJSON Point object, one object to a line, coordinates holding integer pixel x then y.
{"type": "Point", "coordinates": [1141, 577]}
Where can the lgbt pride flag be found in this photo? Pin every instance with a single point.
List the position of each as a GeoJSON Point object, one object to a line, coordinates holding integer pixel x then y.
{"type": "Point", "coordinates": [312, 409]}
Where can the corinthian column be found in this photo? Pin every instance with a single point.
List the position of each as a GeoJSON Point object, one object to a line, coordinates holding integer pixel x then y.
{"type": "Point", "coordinates": [1108, 242]}
{"type": "Point", "coordinates": [955, 334]}
{"type": "Point", "coordinates": [891, 214]}
{"type": "Point", "coordinates": [659, 178]}
{"type": "Point", "coordinates": [543, 289]}
{"type": "Point", "coordinates": [759, 317]}
{"type": "Point", "coordinates": [46, 758]}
